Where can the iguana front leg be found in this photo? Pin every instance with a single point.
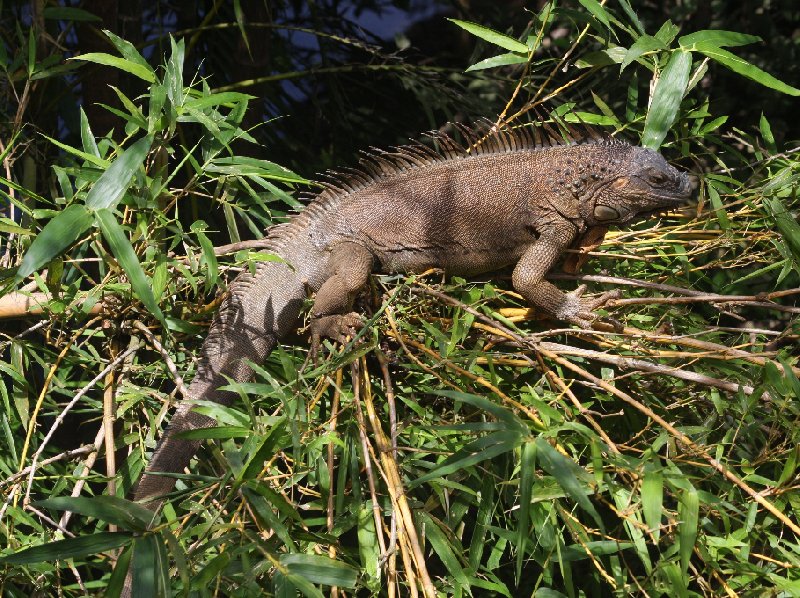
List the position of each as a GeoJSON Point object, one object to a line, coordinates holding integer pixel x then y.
{"type": "Point", "coordinates": [349, 266]}
{"type": "Point", "coordinates": [528, 279]}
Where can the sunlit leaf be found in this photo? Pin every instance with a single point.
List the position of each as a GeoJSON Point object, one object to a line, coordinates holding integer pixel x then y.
{"type": "Point", "coordinates": [113, 183]}
{"type": "Point", "coordinates": [744, 68]}
{"type": "Point", "coordinates": [123, 250]}
{"type": "Point", "coordinates": [492, 36]}
{"type": "Point", "coordinates": [133, 68]}
{"type": "Point", "coordinates": [58, 234]}
{"type": "Point", "coordinates": [667, 98]}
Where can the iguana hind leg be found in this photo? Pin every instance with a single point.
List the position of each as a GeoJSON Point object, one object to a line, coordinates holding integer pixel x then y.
{"type": "Point", "coordinates": [349, 265]}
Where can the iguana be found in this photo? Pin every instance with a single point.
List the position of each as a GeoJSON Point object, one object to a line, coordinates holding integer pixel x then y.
{"type": "Point", "coordinates": [504, 197]}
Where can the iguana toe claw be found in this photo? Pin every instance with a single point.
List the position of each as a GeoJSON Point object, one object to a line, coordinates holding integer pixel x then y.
{"type": "Point", "coordinates": [581, 312]}
{"type": "Point", "coordinates": [338, 327]}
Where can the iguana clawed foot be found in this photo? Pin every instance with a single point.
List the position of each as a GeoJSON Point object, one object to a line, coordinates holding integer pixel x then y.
{"type": "Point", "coordinates": [579, 311]}
{"type": "Point", "coordinates": [337, 327]}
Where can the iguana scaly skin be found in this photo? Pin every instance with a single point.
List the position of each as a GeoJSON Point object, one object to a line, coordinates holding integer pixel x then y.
{"type": "Point", "coordinates": [512, 197]}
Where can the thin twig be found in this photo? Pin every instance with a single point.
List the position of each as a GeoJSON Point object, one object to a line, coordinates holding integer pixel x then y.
{"type": "Point", "coordinates": [156, 344]}
{"type": "Point", "coordinates": [60, 419]}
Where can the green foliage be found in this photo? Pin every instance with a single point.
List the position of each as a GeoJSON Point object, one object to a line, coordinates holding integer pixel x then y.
{"type": "Point", "coordinates": [460, 443]}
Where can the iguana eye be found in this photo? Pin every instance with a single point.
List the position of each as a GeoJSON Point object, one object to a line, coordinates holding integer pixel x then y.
{"type": "Point", "coordinates": [656, 177]}
{"type": "Point", "coordinates": [604, 213]}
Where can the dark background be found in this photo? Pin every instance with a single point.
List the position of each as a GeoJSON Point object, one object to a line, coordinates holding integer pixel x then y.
{"type": "Point", "coordinates": [333, 76]}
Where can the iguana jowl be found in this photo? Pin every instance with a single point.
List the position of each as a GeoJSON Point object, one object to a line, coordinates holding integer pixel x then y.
{"type": "Point", "coordinates": [511, 197]}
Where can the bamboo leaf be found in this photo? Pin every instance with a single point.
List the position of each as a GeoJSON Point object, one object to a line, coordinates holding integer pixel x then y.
{"type": "Point", "coordinates": [527, 472]}
{"type": "Point", "coordinates": [667, 98]}
{"type": "Point", "coordinates": [58, 234]}
{"type": "Point", "coordinates": [106, 508]}
{"type": "Point", "coordinates": [688, 512]}
{"type": "Point", "coordinates": [69, 548]}
{"type": "Point", "coordinates": [646, 43]}
{"type": "Point", "coordinates": [652, 498]}
{"type": "Point", "coordinates": [126, 256]}
{"type": "Point", "coordinates": [134, 69]}
{"type": "Point", "coordinates": [568, 475]}
{"type": "Point", "coordinates": [444, 549]}
{"type": "Point", "coordinates": [744, 68]}
{"type": "Point", "coordinates": [482, 449]}
{"type": "Point", "coordinates": [492, 36]}
{"type": "Point", "coordinates": [500, 60]}
{"type": "Point", "coordinates": [113, 183]}
{"type": "Point", "coordinates": [320, 569]}
{"type": "Point", "coordinates": [716, 37]}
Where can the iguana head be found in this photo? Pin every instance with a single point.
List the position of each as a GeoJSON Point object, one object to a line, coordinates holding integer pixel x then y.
{"type": "Point", "coordinates": [641, 183]}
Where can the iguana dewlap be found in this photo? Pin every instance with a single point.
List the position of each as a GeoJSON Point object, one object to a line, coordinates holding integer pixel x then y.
{"type": "Point", "coordinates": [514, 197]}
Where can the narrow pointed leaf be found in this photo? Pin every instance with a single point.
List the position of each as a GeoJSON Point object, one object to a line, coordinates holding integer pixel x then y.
{"type": "Point", "coordinates": [134, 69]}
{"type": "Point", "coordinates": [501, 60]}
{"type": "Point", "coordinates": [652, 499]}
{"type": "Point", "coordinates": [573, 479]}
{"type": "Point", "coordinates": [126, 256]}
{"type": "Point", "coordinates": [113, 183]}
{"type": "Point", "coordinates": [69, 548]}
{"type": "Point", "coordinates": [718, 38]}
{"type": "Point", "coordinates": [744, 68]}
{"type": "Point", "coordinates": [492, 36]}
{"type": "Point", "coordinates": [667, 98]}
{"type": "Point", "coordinates": [127, 50]}
{"type": "Point", "coordinates": [320, 569]}
{"type": "Point", "coordinates": [58, 234]}
{"type": "Point", "coordinates": [106, 508]}
{"type": "Point", "coordinates": [688, 512]}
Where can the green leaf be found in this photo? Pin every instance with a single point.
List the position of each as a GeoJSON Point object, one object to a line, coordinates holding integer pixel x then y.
{"type": "Point", "coordinates": [209, 258]}
{"type": "Point", "coordinates": [58, 234]}
{"type": "Point", "coordinates": [628, 9]}
{"type": "Point", "coordinates": [599, 13]}
{"type": "Point", "coordinates": [492, 36]}
{"type": "Point", "coordinates": [147, 567]}
{"type": "Point", "coordinates": [64, 13]}
{"type": "Point", "coordinates": [111, 509]}
{"type": "Point", "coordinates": [787, 225]}
{"type": "Point", "coordinates": [87, 137]}
{"type": "Point", "coordinates": [128, 50]}
{"type": "Point", "coordinates": [667, 32]}
{"type": "Point", "coordinates": [216, 432]}
{"type": "Point", "coordinates": [173, 77]}
{"type": "Point", "coordinates": [91, 158]}
{"type": "Point", "coordinates": [134, 69]}
{"type": "Point", "coordinates": [482, 449]}
{"type": "Point", "coordinates": [69, 548]}
{"type": "Point", "coordinates": [652, 498]}
{"type": "Point", "coordinates": [443, 548]}
{"type": "Point", "coordinates": [766, 134]}
{"type": "Point", "coordinates": [215, 99]}
{"type": "Point", "coordinates": [113, 183]}
{"type": "Point", "coordinates": [500, 60]}
{"type": "Point", "coordinates": [643, 45]}
{"type": "Point", "coordinates": [320, 569]}
{"type": "Point", "coordinates": [666, 99]}
{"type": "Point", "coordinates": [13, 229]}
{"type": "Point", "coordinates": [688, 511]}
{"type": "Point", "coordinates": [527, 473]}
{"type": "Point", "coordinates": [719, 208]}
{"type": "Point", "coordinates": [744, 68]}
{"type": "Point", "coordinates": [569, 476]}
{"type": "Point", "coordinates": [716, 37]}
{"type": "Point", "coordinates": [31, 52]}
{"type": "Point", "coordinates": [126, 256]}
